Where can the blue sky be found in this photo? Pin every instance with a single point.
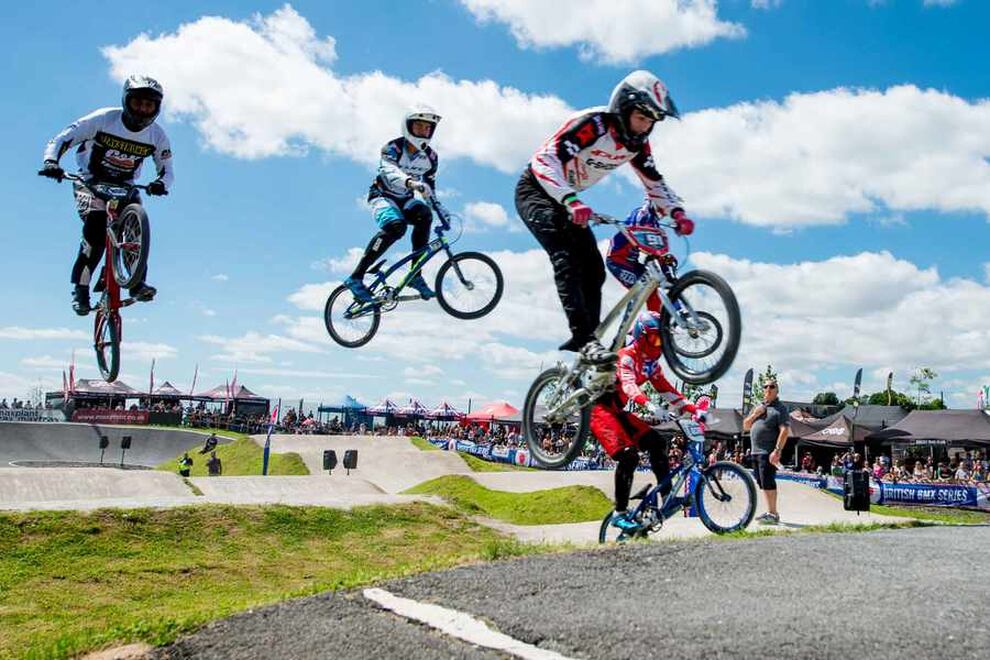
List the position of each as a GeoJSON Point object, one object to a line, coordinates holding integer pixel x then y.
{"type": "Point", "coordinates": [834, 154]}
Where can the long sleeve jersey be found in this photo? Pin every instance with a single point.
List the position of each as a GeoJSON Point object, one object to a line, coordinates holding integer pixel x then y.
{"type": "Point", "coordinates": [107, 150]}
{"type": "Point", "coordinates": [634, 370]}
{"type": "Point", "coordinates": [585, 149]}
{"type": "Point", "coordinates": [397, 165]}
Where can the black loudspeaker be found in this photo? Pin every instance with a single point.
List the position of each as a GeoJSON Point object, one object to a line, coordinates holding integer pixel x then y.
{"type": "Point", "coordinates": [856, 491]}
{"type": "Point", "coordinates": [104, 442]}
{"type": "Point", "coordinates": [329, 459]}
{"type": "Point", "coordinates": [350, 460]}
{"type": "Point", "coordinates": [125, 442]}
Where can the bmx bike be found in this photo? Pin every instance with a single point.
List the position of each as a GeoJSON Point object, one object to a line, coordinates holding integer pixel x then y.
{"type": "Point", "coordinates": [723, 494]}
{"type": "Point", "coordinates": [700, 328]}
{"type": "Point", "coordinates": [128, 240]}
{"type": "Point", "coordinates": [468, 286]}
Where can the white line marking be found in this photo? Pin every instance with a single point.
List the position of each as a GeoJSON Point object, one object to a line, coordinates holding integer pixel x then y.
{"type": "Point", "coordinates": [460, 625]}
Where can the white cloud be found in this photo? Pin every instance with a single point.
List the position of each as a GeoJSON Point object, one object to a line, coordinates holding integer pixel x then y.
{"type": "Point", "coordinates": [816, 158]}
{"type": "Point", "coordinates": [422, 371]}
{"type": "Point", "coordinates": [220, 277]}
{"type": "Point", "coordinates": [45, 362]}
{"type": "Point", "coordinates": [264, 87]}
{"type": "Point", "coordinates": [613, 32]}
{"type": "Point", "coordinates": [140, 350]}
{"type": "Point", "coordinates": [17, 332]}
{"type": "Point", "coordinates": [304, 373]}
{"type": "Point", "coordinates": [484, 215]}
{"type": "Point", "coordinates": [344, 264]}
{"type": "Point", "coordinates": [831, 153]}
{"type": "Point", "coordinates": [871, 310]}
{"type": "Point", "coordinates": [256, 347]}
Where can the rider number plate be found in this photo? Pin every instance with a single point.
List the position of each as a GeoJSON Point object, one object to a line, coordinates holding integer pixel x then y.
{"type": "Point", "coordinates": [693, 431]}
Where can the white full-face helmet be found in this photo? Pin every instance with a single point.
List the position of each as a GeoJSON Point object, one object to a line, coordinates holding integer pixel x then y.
{"type": "Point", "coordinates": [643, 91]}
{"type": "Point", "coordinates": [421, 113]}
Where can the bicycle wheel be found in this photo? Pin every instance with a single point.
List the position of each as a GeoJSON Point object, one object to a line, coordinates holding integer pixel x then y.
{"type": "Point", "coordinates": [725, 497]}
{"type": "Point", "coordinates": [106, 342]}
{"type": "Point", "coordinates": [554, 441]}
{"type": "Point", "coordinates": [469, 285]}
{"type": "Point", "coordinates": [350, 323]}
{"type": "Point", "coordinates": [133, 234]}
{"type": "Point", "coordinates": [701, 352]}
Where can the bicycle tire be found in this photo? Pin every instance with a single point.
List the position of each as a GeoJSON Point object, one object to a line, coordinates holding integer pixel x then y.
{"type": "Point", "coordinates": [729, 335]}
{"type": "Point", "coordinates": [106, 343]}
{"type": "Point", "coordinates": [704, 493]}
{"type": "Point", "coordinates": [133, 227]}
{"type": "Point", "coordinates": [447, 267]}
{"type": "Point", "coordinates": [533, 437]}
{"type": "Point", "coordinates": [376, 319]}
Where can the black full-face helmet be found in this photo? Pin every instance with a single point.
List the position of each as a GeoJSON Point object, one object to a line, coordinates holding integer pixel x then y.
{"type": "Point", "coordinates": [141, 87]}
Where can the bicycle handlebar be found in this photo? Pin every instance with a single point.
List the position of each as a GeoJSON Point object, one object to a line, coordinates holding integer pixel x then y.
{"type": "Point", "coordinates": [69, 176]}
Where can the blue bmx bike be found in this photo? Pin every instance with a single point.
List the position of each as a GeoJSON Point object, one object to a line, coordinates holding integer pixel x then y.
{"type": "Point", "coordinates": [468, 286]}
{"type": "Point", "coordinates": [723, 494]}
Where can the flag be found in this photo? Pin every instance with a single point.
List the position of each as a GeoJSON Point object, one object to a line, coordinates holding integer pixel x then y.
{"type": "Point", "coordinates": [65, 387]}
{"type": "Point", "coordinates": [274, 417]}
{"type": "Point", "coordinates": [890, 387]}
{"type": "Point", "coordinates": [192, 387]}
{"type": "Point", "coordinates": [859, 379]}
{"type": "Point", "coordinates": [151, 382]}
{"type": "Point", "coordinates": [233, 385]}
{"type": "Point", "coordinates": [747, 397]}
{"type": "Point", "coordinates": [72, 372]}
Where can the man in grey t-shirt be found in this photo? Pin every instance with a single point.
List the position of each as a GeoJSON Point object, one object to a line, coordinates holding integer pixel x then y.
{"type": "Point", "coordinates": [768, 425]}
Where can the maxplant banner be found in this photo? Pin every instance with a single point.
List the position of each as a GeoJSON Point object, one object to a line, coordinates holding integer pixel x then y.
{"type": "Point", "coordinates": [101, 416]}
{"type": "Point", "coordinates": [747, 398]}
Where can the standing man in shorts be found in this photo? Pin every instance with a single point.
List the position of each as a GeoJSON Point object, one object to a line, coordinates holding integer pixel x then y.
{"type": "Point", "coordinates": [768, 426]}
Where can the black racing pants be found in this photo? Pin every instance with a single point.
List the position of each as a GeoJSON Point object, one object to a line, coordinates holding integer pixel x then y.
{"type": "Point", "coordinates": [578, 269]}
{"type": "Point", "coordinates": [94, 237]}
{"type": "Point", "coordinates": [628, 459]}
{"type": "Point", "coordinates": [419, 216]}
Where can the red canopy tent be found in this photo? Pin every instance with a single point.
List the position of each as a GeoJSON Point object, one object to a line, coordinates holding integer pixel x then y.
{"type": "Point", "coordinates": [493, 412]}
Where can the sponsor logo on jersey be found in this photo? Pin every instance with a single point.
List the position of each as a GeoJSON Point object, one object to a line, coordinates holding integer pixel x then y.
{"type": "Point", "coordinates": [124, 146]}
{"type": "Point", "coordinates": [601, 153]}
{"type": "Point", "coordinates": [601, 165]}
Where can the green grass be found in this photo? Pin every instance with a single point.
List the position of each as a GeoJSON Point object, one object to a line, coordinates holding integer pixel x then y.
{"type": "Point", "coordinates": [242, 457]}
{"type": "Point", "coordinates": [423, 444]}
{"type": "Point", "coordinates": [938, 514]}
{"type": "Point", "coordinates": [73, 582]}
{"type": "Point", "coordinates": [543, 507]}
{"type": "Point", "coordinates": [481, 465]}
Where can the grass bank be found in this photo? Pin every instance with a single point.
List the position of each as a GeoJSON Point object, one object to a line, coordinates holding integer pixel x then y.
{"type": "Point", "coordinates": [72, 582]}
{"type": "Point", "coordinates": [242, 457]}
{"type": "Point", "coordinates": [543, 507]}
{"type": "Point", "coordinates": [936, 514]}
{"type": "Point", "coordinates": [481, 465]}
{"type": "Point", "coordinates": [423, 444]}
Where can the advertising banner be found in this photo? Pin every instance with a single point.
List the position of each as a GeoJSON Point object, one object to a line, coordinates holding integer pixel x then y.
{"type": "Point", "coordinates": [100, 416]}
{"type": "Point", "coordinates": [31, 415]}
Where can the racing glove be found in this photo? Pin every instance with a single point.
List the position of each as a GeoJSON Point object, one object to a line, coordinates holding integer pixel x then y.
{"type": "Point", "coordinates": [157, 188]}
{"type": "Point", "coordinates": [51, 170]}
{"type": "Point", "coordinates": [580, 212]}
{"type": "Point", "coordinates": [683, 225]}
{"type": "Point", "coordinates": [418, 186]}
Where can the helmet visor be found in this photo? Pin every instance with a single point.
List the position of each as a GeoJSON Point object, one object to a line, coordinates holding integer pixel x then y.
{"type": "Point", "coordinates": [421, 128]}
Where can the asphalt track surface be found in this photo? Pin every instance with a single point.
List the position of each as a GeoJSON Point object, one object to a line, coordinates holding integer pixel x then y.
{"type": "Point", "coordinates": [914, 593]}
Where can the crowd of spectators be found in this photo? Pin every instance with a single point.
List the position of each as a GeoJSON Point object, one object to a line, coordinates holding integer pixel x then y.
{"type": "Point", "coordinates": [20, 404]}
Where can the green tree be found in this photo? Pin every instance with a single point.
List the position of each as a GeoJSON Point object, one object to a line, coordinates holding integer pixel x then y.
{"type": "Point", "coordinates": [764, 377]}
{"type": "Point", "coordinates": [826, 399]}
{"type": "Point", "coordinates": [921, 383]}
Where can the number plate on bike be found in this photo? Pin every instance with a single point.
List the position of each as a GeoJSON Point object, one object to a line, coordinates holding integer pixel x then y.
{"type": "Point", "coordinates": [693, 431]}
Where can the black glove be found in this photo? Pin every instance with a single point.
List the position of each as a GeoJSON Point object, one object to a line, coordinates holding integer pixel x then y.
{"type": "Point", "coordinates": [52, 170]}
{"type": "Point", "coordinates": [157, 188]}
